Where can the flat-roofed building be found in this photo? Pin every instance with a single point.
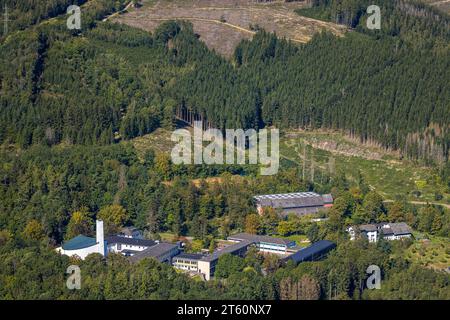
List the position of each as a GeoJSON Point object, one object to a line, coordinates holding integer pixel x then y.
{"type": "Point", "coordinates": [207, 264]}
{"type": "Point", "coordinates": [299, 203]}
{"type": "Point", "coordinates": [187, 261]}
{"type": "Point", "coordinates": [128, 246]}
{"type": "Point", "coordinates": [265, 243]}
{"type": "Point", "coordinates": [163, 252]}
{"type": "Point", "coordinates": [243, 241]}
{"type": "Point", "coordinates": [314, 252]}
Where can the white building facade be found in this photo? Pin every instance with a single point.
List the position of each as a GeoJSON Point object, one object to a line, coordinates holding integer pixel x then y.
{"type": "Point", "coordinates": [82, 246]}
{"type": "Point", "coordinates": [385, 230]}
{"type": "Point", "coordinates": [128, 246]}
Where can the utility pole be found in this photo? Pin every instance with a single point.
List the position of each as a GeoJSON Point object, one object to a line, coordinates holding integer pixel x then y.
{"type": "Point", "coordinates": [304, 161]}
{"type": "Point", "coordinates": [312, 165]}
{"type": "Point", "coordinates": [330, 283]}
{"type": "Point", "coordinates": [5, 21]}
{"type": "Point", "coordinates": [329, 292]}
{"type": "Point", "coordinates": [331, 165]}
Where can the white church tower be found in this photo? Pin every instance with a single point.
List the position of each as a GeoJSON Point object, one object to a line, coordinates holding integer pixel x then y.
{"type": "Point", "coordinates": [100, 237]}
{"type": "Point", "coordinates": [82, 246]}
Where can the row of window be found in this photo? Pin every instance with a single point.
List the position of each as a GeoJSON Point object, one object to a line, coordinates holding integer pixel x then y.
{"type": "Point", "coordinates": [186, 268]}
{"type": "Point", "coordinates": [181, 261]}
{"type": "Point", "coordinates": [119, 246]}
{"type": "Point", "coordinates": [271, 248]}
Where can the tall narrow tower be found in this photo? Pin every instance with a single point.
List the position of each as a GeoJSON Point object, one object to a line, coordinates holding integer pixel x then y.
{"type": "Point", "coordinates": [100, 237]}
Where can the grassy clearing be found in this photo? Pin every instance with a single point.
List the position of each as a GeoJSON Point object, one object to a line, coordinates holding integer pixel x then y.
{"type": "Point", "coordinates": [383, 171]}
{"type": "Point", "coordinates": [159, 141]}
{"type": "Point", "coordinates": [432, 253]}
{"type": "Point", "coordinates": [168, 237]}
{"type": "Point", "coordinates": [301, 239]}
{"type": "Point", "coordinates": [332, 152]}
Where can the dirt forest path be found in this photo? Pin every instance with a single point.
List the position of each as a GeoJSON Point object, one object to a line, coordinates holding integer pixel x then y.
{"type": "Point", "coordinates": [439, 2]}
{"type": "Point", "coordinates": [128, 6]}
{"type": "Point", "coordinates": [423, 203]}
{"type": "Point", "coordinates": [319, 22]}
{"type": "Point", "coordinates": [207, 20]}
{"type": "Point", "coordinates": [223, 25]}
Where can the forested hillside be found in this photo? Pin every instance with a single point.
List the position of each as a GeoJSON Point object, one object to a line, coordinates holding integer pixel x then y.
{"type": "Point", "coordinates": [111, 82]}
{"type": "Point", "coordinates": [79, 88]}
{"type": "Point", "coordinates": [53, 193]}
{"type": "Point", "coordinates": [70, 101]}
{"type": "Point", "coordinates": [24, 13]}
{"type": "Point", "coordinates": [391, 86]}
{"type": "Point", "coordinates": [410, 19]}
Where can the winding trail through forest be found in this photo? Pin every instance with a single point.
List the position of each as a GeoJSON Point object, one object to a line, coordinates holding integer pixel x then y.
{"type": "Point", "coordinates": [209, 14]}
{"type": "Point", "coordinates": [439, 2]}
{"type": "Point", "coordinates": [128, 6]}
{"type": "Point", "coordinates": [422, 203]}
{"type": "Point", "coordinates": [205, 20]}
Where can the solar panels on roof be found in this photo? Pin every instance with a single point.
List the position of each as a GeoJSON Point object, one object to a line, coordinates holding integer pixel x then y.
{"type": "Point", "coordinates": [290, 200]}
{"type": "Point", "coordinates": [287, 195]}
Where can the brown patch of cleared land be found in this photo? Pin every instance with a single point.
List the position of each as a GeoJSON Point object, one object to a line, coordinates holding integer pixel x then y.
{"type": "Point", "coordinates": [222, 24]}
{"type": "Point", "coordinates": [210, 180]}
{"type": "Point", "coordinates": [159, 141]}
{"type": "Point", "coordinates": [443, 5]}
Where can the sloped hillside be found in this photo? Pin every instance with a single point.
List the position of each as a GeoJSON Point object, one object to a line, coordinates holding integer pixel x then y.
{"type": "Point", "coordinates": [222, 24]}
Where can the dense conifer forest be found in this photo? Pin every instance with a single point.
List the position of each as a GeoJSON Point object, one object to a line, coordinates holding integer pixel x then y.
{"type": "Point", "coordinates": [71, 101]}
{"type": "Point", "coordinates": [389, 86]}
{"type": "Point", "coordinates": [24, 13]}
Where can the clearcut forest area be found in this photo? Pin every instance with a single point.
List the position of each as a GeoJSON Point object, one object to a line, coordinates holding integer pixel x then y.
{"type": "Point", "coordinates": [222, 24]}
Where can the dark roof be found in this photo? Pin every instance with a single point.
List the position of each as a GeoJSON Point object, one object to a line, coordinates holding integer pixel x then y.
{"type": "Point", "coordinates": [156, 251]}
{"type": "Point", "coordinates": [387, 228]}
{"type": "Point", "coordinates": [79, 242]}
{"type": "Point", "coordinates": [387, 231]}
{"type": "Point", "coordinates": [130, 241]}
{"type": "Point", "coordinates": [310, 253]}
{"type": "Point", "coordinates": [395, 228]}
{"type": "Point", "coordinates": [128, 251]}
{"type": "Point", "coordinates": [230, 249]}
{"type": "Point", "coordinates": [128, 231]}
{"type": "Point", "coordinates": [295, 248]}
{"type": "Point", "coordinates": [368, 227]}
{"type": "Point", "coordinates": [257, 238]}
{"type": "Point", "coordinates": [290, 200]}
{"type": "Point", "coordinates": [190, 256]}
